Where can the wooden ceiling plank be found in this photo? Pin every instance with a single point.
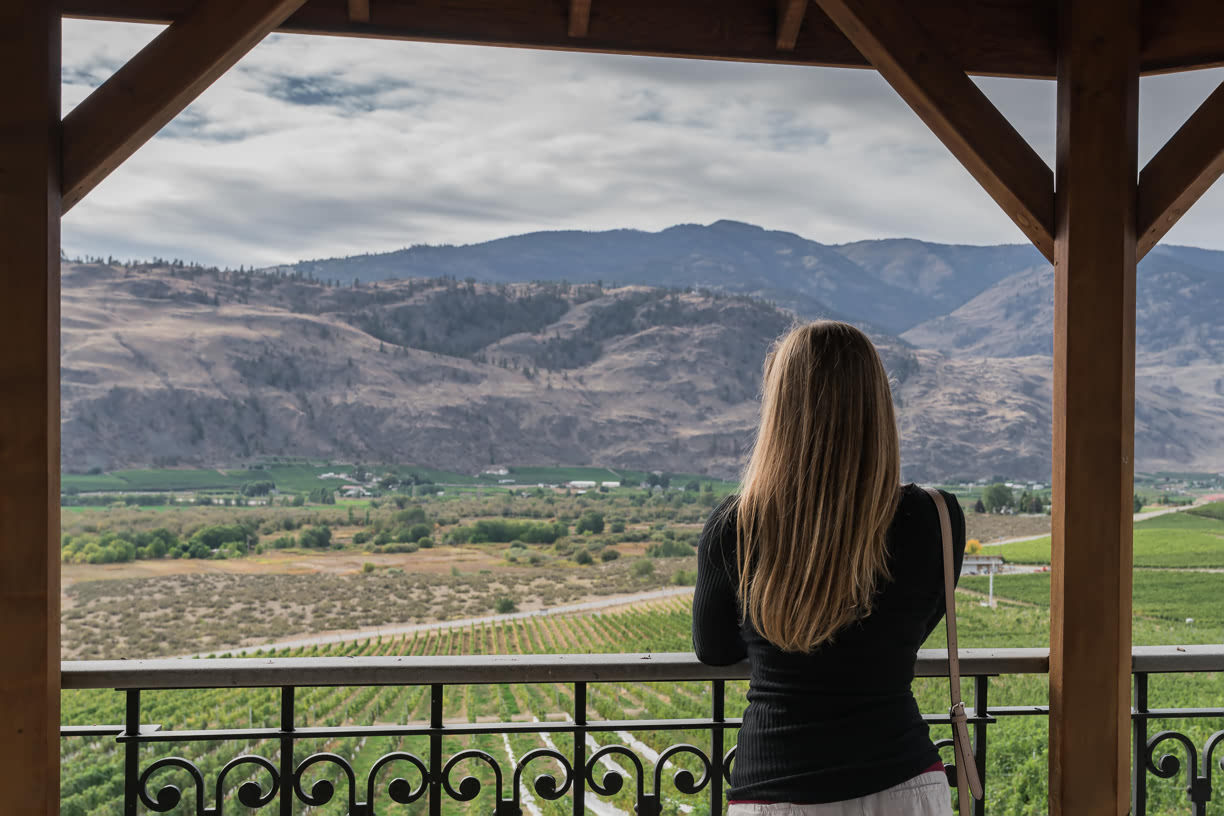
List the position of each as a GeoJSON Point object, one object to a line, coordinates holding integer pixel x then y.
{"type": "Point", "coordinates": [955, 109]}
{"type": "Point", "coordinates": [790, 18]}
{"type": "Point", "coordinates": [1181, 171]}
{"type": "Point", "coordinates": [359, 11]}
{"type": "Point", "coordinates": [579, 17]}
{"type": "Point", "coordinates": [158, 83]}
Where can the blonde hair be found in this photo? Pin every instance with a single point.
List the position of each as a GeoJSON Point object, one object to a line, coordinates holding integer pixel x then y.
{"type": "Point", "coordinates": [820, 488]}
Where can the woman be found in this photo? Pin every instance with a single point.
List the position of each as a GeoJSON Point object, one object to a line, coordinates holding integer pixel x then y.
{"type": "Point", "coordinates": [826, 574]}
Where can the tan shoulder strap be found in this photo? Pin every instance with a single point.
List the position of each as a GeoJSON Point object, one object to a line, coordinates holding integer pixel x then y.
{"type": "Point", "coordinates": [967, 779]}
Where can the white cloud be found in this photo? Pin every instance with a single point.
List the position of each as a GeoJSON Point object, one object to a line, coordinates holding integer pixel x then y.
{"type": "Point", "coordinates": [318, 146]}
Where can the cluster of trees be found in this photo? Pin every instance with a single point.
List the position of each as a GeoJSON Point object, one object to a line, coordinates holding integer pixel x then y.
{"type": "Point", "coordinates": [261, 488]}
{"type": "Point", "coordinates": [118, 546]}
{"type": "Point", "coordinates": [999, 498]}
{"type": "Point", "coordinates": [322, 495]}
{"type": "Point", "coordinates": [505, 530]}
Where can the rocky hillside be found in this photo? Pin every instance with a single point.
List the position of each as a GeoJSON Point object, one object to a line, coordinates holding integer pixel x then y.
{"type": "Point", "coordinates": [171, 366]}
{"type": "Point", "coordinates": [166, 365]}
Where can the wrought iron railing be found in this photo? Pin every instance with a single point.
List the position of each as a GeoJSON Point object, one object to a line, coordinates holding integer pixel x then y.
{"type": "Point", "coordinates": [429, 778]}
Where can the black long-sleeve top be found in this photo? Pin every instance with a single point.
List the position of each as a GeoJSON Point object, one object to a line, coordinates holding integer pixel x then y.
{"type": "Point", "coordinates": [841, 722]}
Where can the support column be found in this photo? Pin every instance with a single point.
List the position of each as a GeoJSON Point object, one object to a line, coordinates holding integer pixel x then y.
{"type": "Point", "coordinates": [29, 405]}
{"type": "Point", "coordinates": [1094, 406]}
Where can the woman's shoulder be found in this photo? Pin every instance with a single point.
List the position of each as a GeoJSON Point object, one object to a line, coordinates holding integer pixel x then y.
{"type": "Point", "coordinates": [917, 517]}
{"type": "Point", "coordinates": [722, 518]}
{"type": "Point", "coordinates": [915, 499]}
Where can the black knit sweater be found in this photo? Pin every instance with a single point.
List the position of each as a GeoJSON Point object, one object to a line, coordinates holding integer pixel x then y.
{"type": "Point", "coordinates": [841, 722]}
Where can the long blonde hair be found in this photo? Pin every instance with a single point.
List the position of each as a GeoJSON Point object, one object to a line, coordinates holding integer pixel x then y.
{"type": "Point", "coordinates": [820, 488]}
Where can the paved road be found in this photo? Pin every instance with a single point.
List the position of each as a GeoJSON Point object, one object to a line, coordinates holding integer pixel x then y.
{"type": "Point", "coordinates": [401, 629]}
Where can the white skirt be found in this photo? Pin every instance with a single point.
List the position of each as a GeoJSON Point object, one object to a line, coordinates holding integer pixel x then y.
{"type": "Point", "coordinates": [927, 794]}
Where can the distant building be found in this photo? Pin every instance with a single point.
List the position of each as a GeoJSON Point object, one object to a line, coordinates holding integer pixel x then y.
{"type": "Point", "coordinates": [609, 484]}
{"type": "Point", "coordinates": [496, 470]}
{"type": "Point", "coordinates": [580, 484]}
{"type": "Point", "coordinates": [982, 564]}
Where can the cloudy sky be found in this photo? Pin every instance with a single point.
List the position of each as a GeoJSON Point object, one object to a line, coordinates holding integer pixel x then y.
{"type": "Point", "coordinates": [317, 147]}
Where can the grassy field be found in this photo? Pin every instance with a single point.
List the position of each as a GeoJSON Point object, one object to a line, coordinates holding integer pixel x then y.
{"type": "Point", "coordinates": [1174, 540]}
{"type": "Point", "coordinates": [1164, 594]}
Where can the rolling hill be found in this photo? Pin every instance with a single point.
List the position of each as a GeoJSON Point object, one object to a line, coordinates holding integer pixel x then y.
{"type": "Point", "coordinates": [620, 348]}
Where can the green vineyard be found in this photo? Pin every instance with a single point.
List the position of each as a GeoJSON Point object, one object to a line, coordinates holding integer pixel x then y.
{"type": "Point", "coordinates": [92, 767]}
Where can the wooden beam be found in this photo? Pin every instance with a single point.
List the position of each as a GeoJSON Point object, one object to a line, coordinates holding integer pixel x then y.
{"type": "Point", "coordinates": [955, 109]}
{"type": "Point", "coordinates": [359, 11]}
{"type": "Point", "coordinates": [790, 18]}
{"type": "Point", "coordinates": [579, 17]}
{"type": "Point", "coordinates": [1184, 169]}
{"type": "Point", "coordinates": [158, 83]}
{"type": "Point", "coordinates": [1003, 37]}
{"type": "Point", "coordinates": [29, 410]}
{"type": "Point", "coordinates": [1094, 408]}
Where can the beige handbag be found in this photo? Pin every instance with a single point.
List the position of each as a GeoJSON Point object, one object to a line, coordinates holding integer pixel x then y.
{"type": "Point", "coordinates": [967, 780]}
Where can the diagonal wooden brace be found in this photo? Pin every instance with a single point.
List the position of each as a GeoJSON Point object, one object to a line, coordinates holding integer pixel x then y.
{"type": "Point", "coordinates": [1184, 169]}
{"type": "Point", "coordinates": [158, 83]}
{"type": "Point", "coordinates": [955, 110]}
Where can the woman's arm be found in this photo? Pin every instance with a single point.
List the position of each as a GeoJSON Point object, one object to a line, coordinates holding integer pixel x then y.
{"type": "Point", "coordinates": [716, 618]}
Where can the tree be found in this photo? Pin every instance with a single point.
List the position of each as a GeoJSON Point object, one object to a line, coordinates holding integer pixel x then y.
{"type": "Point", "coordinates": [1138, 502]}
{"type": "Point", "coordinates": [978, 507]}
{"type": "Point", "coordinates": [998, 497]}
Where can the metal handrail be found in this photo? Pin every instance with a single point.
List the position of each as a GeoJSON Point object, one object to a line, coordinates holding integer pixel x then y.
{"type": "Point", "coordinates": [252, 672]}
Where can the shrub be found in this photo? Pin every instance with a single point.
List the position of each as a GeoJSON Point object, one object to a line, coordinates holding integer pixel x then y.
{"type": "Point", "coordinates": [361, 537]}
{"type": "Point", "coordinates": [583, 557]}
{"type": "Point", "coordinates": [618, 527]}
{"type": "Point", "coordinates": [318, 538]}
{"type": "Point", "coordinates": [504, 605]}
{"type": "Point", "coordinates": [425, 542]}
{"type": "Point", "coordinates": [642, 568]}
{"type": "Point", "coordinates": [367, 567]}
{"type": "Point", "coordinates": [609, 555]}
{"type": "Point", "coordinates": [684, 578]}
{"type": "Point", "coordinates": [590, 523]}
{"type": "Point", "coordinates": [669, 549]}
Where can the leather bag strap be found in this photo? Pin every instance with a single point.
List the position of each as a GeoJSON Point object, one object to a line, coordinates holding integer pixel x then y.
{"type": "Point", "coordinates": [967, 780]}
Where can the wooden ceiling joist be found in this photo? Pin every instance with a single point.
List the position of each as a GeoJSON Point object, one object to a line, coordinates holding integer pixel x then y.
{"type": "Point", "coordinates": [158, 83]}
{"type": "Point", "coordinates": [579, 17]}
{"type": "Point", "coordinates": [359, 11]}
{"type": "Point", "coordinates": [955, 110]}
{"type": "Point", "coordinates": [1184, 169]}
{"type": "Point", "coordinates": [790, 18]}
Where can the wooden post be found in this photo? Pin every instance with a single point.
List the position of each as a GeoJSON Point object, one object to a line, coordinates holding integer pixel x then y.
{"type": "Point", "coordinates": [1094, 404]}
{"type": "Point", "coordinates": [29, 408]}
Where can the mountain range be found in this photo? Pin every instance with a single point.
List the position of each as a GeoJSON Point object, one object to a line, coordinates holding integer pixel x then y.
{"type": "Point", "coordinates": [622, 348]}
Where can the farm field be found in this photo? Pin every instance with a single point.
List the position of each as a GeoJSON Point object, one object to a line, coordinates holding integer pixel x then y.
{"type": "Point", "coordinates": [1184, 540]}
{"type": "Point", "coordinates": [1167, 595]}
{"type": "Point", "coordinates": [1015, 773]}
{"type": "Point", "coordinates": [306, 476]}
{"type": "Point", "coordinates": [221, 575]}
